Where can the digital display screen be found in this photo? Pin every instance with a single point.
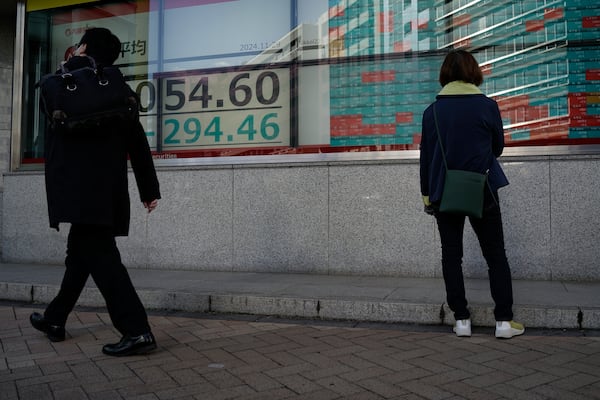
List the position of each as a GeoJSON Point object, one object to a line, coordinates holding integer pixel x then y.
{"type": "Point", "coordinates": [207, 110]}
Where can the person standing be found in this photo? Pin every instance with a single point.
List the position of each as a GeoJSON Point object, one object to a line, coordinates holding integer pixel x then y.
{"type": "Point", "coordinates": [86, 185]}
{"type": "Point", "coordinates": [470, 128]}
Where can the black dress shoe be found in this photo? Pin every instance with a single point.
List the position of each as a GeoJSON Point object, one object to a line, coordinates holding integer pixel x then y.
{"type": "Point", "coordinates": [131, 345]}
{"type": "Point", "coordinates": [56, 333]}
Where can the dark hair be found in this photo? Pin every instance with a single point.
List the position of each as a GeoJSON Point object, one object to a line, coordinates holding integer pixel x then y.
{"type": "Point", "coordinates": [102, 45]}
{"type": "Point", "coordinates": [460, 65]}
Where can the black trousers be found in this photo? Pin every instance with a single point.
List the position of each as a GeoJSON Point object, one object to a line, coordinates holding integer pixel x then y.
{"type": "Point", "coordinates": [491, 239]}
{"type": "Point", "coordinates": [92, 250]}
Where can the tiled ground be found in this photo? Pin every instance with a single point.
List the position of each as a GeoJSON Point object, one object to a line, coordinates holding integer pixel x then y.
{"type": "Point", "coordinates": [231, 357]}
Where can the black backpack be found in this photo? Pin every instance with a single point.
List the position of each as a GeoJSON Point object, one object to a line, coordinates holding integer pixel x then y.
{"type": "Point", "coordinates": [87, 97]}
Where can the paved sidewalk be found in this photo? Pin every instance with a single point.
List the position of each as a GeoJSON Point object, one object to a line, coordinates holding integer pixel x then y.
{"type": "Point", "coordinates": [205, 357]}
{"type": "Point", "coordinates": [554, 304]}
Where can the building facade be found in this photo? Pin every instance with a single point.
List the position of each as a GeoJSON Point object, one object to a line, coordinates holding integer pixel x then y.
{"type": "Point", "coordinates": [286, 133]}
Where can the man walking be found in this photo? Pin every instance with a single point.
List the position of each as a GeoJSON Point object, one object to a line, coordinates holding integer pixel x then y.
{"type": "Point", "coordinates": [86, 185]}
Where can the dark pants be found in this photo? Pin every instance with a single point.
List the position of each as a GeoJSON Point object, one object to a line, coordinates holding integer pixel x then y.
{"type": "Point", "coordinates": [491, 239]}
{"type": "Point", "coordinates": [92, 250]}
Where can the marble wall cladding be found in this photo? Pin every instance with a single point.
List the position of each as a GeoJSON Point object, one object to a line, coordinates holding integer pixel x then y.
{"type": "Point", "coordinates": [7, 40]}
{"type": "Point", "coordinates": [575, 222]}
{"type": "Point", "coordinates": [329, 219]}
{"type": "Point", "coordinates": [525, 205]}
{"type": "Point", "coordinates": [26, 235]}
{"type": "Point", "coordinates": [7, 37]}
{"type": "Point", "coordinates": [190, 229]}
{"type": "Point", "coordinates": [526, 213]}
{"type": "Point", "coordinates": [6, 79]}
{"type": "Point", "coordinates": [5, 118]}
{"type": "Point", "coordinates": [280, 219]}
{"type": "Point", "coordinates": [377, 224]}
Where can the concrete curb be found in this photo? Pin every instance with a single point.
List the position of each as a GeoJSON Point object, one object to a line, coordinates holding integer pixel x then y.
{"type": "Point", "coordinates": [364, 310]}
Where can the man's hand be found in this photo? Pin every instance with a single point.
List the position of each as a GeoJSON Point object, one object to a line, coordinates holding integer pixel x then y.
{"type": "Point", "coordinates": [151, 205]}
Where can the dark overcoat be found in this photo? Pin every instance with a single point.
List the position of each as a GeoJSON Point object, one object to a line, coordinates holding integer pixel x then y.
{"type": "Point", "coordinates": [86, 173]}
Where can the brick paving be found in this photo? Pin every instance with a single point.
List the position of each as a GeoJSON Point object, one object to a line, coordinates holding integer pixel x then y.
{"type": "Point", "coordinates": [202, 356]}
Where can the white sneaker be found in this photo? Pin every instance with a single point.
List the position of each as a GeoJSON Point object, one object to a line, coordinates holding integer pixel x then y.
{"type": "Point", "coordinates": [462, 328]}
{"type": "Point", "coordinates": [508, 329]}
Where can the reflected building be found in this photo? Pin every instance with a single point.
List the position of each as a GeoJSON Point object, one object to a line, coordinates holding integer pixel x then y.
{"type": "Point", "coordinates": [539, 58]}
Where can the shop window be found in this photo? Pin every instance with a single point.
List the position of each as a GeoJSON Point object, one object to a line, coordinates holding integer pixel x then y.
{"type": "Point", "coordinates": [237, 78]}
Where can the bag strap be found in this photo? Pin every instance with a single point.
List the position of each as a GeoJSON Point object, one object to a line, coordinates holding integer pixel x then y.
{"type": "Point", "coordinates": [70, 82]}
{"type": "Point", "coordinates": [437, 129]}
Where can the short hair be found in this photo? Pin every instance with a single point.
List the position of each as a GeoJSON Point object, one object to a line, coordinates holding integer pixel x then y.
{"type": "Point", "coordinates": [460, 65]}
{"type": "Point", "coordinates": [102, 45]}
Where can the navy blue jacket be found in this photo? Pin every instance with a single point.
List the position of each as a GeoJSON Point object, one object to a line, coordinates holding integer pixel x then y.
{"type": "Point", "coordinates": [472, 135]}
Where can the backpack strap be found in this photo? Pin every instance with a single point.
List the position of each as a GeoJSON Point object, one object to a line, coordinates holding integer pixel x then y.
{"type": "Point", "coordinates": [71, 85]}
{"type": "Point", "coordinates": [102, 80]}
